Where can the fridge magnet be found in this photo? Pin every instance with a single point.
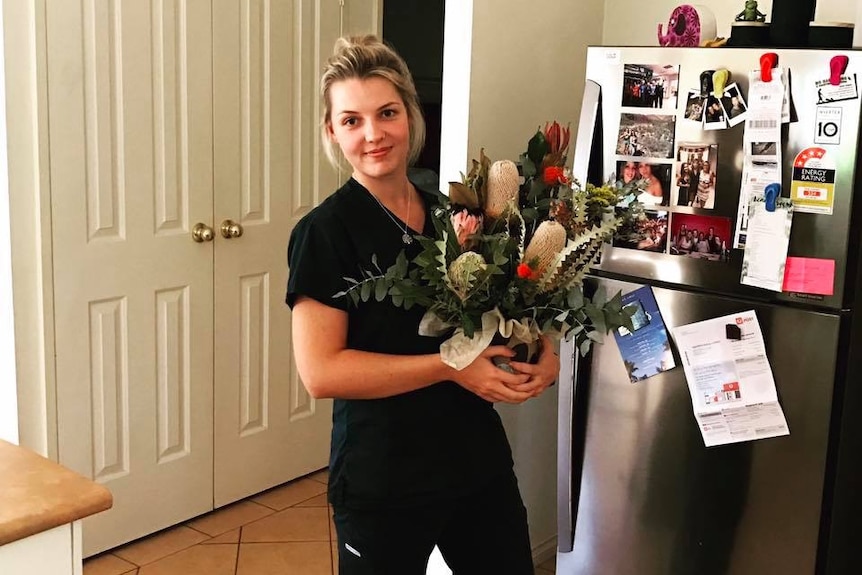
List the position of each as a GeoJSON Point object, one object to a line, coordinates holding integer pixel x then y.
{"type": "Point", "coordinates": [733, 105]}
{"type": "Point", "coordinates": [650, 86]}
{"type": "Point", "coordinates": [827, 125]}
{"type": "Point", "coordinates": [696, 165]}
{"type": "Point", "coordinates": [647, 232]}
{"type": "Point", "coordinates": [694, 106]}
{"type": "Point", "coordinates": [646, 135]}
{"type": "Point", "coordinates": [653, 180]}
{"type": "Point", "coordinates": [713, 117]}
{"type": "Point", "coordinates": [845, 90]}
{"type": "Point", "coordinates": [729, 379]}
{"type": "Point", "coordinates": [645, 349]}
{"type": "Point", "coordinates": [813, 187]}
{"type": "Point", "coordinates": [700, 237]}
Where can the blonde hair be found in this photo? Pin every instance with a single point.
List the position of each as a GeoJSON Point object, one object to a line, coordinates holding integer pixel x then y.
{"type": "Point", "coordinates": [366, 57]}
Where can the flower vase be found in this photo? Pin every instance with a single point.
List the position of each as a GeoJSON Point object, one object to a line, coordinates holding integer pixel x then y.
{"type": "Point", "coordinates": [522, 353]}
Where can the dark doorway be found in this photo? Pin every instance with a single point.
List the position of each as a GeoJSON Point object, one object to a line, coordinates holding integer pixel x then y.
{"type": "Point", "coordinates": [415, 29]}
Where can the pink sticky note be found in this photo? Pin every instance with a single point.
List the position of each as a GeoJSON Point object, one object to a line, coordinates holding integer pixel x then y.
{"type": "Point", "coordinates": [809, 275]}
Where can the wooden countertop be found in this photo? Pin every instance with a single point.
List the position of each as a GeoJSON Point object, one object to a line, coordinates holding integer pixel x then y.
{"type": "Point", "coordinates": [37, 494]}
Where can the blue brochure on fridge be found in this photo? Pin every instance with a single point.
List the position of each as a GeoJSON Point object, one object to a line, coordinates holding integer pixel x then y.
{"type": "Point", "coordinates": [646, 349]}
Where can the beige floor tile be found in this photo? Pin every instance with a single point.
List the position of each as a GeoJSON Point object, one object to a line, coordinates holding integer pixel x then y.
{"type": "Point", "coordinates": [293, 524]}
{"type": "Point", "coordinates": [159, 545]}
{"type": "Point", "coordinates": [229, 537]}
{"type": "Point", "coordinates": [107, 564]}
{"type": "Point", "coordinates": [230, 517]}
{"type": "Point", "coordinates": [290, 494]}
{"type": "Point", "coordinates": [197, 560]}
{"type": "Point", "coordinates": [308, 558]}
{"type": "Point", "coordinates": [319, 501]}
{"type": "Point", "coordinates": [322, 476]}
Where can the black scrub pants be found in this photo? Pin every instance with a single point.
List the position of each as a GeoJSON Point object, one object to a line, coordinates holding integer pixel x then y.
{"type": "Point", "coordinates": [484, 533]}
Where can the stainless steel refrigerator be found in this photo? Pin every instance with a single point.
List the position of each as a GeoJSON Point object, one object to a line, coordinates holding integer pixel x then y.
{"type": "Point", "coordinates": [638, 492]}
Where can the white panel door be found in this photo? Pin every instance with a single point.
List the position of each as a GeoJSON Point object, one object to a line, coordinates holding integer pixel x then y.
{"type": "Point", "coordinates": [130, 122]}
{"type": "Point", "coordinates": [269, 171]}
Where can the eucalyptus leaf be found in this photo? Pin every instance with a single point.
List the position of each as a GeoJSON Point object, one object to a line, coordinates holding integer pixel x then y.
{"type": "Point", "coordinates": [380, 289]}
{"type": "Point", "coordinates": [365, 292]}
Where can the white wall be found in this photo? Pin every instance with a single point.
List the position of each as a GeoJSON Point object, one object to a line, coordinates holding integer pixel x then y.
{"type": "Point", "coordinates": [508, 67]}
{"type": "Point", "coordinates": [8, 395]}
{"type": "Point", "coordinates": [635, 22]}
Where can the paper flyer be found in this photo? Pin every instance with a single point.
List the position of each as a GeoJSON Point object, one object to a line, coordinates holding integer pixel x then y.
{"type": "Point", "coordinates": [730, 380]}
{"type": "Point", "coordinates": [646, 349]}
{"type": "Point", "coordinates": [768, 239]}
{"type": "Point", "coordinates": [761, 163]}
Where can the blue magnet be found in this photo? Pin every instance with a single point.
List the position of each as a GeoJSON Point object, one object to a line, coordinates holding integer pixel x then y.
{"type": "Point", "coordinates": [770, 194]}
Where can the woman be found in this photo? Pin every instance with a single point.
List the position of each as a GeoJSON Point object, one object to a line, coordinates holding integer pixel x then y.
{"type": "Point", "coordinates": [630, 173]}
{"type": "Point", "coordinates": [705, 186]}
{"type": "Point", "coordinates": [419, 456]}
{"type": "Point", "coordinates": [653, 194]}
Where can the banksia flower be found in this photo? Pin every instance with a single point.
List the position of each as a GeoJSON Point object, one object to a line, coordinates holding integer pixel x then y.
{"type": "Point", "coordinates": [548, 241]}
{"type": "Point", "coordinates": [503, 187]}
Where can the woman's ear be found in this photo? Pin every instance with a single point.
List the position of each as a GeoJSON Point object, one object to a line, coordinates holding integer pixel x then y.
{"type": "Point", "coordinates": [330, 134]}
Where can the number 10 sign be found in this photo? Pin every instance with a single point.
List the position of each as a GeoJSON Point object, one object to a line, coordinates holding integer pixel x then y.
{"type": "Point", "coordinates": [827, 128]}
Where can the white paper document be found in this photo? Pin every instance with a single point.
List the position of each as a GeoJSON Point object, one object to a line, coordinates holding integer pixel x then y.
{"type": "Point", "coordinates": [730, 380]}
{"type": "Point", "coordinates": [768, 238]}
{"type": "Point", "coordinates": [761, 162]}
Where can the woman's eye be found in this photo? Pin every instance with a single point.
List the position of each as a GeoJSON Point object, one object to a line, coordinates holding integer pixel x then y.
{"type": "Point", "coordinates": [389, 113]}
{"type": "Point", "coordinates": [350, 121]}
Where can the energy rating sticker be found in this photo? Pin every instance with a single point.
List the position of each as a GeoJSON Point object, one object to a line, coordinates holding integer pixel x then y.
{"type": "Point", "coordinates": [813, 186]}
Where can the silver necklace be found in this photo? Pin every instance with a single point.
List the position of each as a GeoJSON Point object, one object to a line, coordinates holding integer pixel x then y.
{"type": "Point", "coordinates": [405, 236]}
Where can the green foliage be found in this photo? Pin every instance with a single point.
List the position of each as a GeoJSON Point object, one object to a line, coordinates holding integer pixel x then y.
{"type": "Point", "coordinates": [458, 284]}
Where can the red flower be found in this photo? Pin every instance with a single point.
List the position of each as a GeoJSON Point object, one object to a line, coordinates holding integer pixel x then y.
{"type": "Point", "coordinates": [558, 138]}
{"type": "Point", "coordinates": [524, 271]}
{"type": "Point", "coordinates": [554, 175]}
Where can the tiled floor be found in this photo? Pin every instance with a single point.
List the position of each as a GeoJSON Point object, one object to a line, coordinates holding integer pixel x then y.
{"type": "Point", "coordinates": [286, 530]}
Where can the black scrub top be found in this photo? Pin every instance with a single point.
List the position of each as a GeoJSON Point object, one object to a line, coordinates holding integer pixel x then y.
{"type": "Point", "coordinates": [416, 448]}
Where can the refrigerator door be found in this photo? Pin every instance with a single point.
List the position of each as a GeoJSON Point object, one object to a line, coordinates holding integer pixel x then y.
{"type": "Point", "coordinates": [645, 497]}
{"type": "Point", "coordinates": [813, 236]}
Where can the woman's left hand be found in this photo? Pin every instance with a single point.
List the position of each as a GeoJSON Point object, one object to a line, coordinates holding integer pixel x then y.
{"type": "Point", "coordinates": [543, 373]}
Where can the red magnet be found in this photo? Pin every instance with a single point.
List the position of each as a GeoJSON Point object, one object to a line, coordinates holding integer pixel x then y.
{"type": "Point", "coordinates": [767, 63]}
{"type": "Point", "coordinates": [837, 66]}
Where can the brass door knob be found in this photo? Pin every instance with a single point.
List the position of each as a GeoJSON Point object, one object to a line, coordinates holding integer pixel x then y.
{"type": "Point", "coordinates": [202, 233]}
{"type": "Point", "coordinates": [230, 229]}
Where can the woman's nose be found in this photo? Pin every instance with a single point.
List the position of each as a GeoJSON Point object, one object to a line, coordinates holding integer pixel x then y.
{"type": "Point", "coordinates": [373, 131]}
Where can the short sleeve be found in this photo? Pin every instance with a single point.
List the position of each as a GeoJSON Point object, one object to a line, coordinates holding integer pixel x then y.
{"type": "Point", "coordinates": [316, 262]}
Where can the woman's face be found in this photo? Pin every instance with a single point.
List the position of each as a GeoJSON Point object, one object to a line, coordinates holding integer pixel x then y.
{"type": "Point", "coordinates": [369, 123]}
{"type": "Point", "coordinates": [645, 170]}
{"type": "Point", "coordinates": [629, 172]}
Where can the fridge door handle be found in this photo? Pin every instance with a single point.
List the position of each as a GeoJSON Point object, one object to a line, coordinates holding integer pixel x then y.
{"type": "Point", "coordinates": [586, 131]}
{"type": "Point", "coordinates": [566, 394]}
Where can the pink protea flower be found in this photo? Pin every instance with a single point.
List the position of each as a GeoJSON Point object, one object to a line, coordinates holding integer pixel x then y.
{"type": "Point", "coordinates": [466, 226]}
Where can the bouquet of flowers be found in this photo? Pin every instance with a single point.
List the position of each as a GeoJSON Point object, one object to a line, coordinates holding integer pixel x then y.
{"type": "Point", "coordinates": [509, 255]}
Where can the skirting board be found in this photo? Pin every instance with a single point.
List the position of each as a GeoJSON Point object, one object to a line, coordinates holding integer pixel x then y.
{"type": "Point", "coordinates": [545, 551]}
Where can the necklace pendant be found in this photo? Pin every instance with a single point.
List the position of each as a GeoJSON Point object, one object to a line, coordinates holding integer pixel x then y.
{"type": "Point", "coordinates": [406, 239]}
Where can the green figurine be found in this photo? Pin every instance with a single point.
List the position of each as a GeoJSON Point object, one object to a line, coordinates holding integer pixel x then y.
{"type": "Point", "coordinates": [751, 13]}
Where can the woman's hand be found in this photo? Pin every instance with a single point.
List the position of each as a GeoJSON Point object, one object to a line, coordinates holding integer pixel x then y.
{"type": "Point", "coordinates": [541, 374]}
{"type": "Point", "coordinates": [491, 383]}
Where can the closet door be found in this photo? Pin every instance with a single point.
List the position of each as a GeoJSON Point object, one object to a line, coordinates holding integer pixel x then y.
{"type": "Point", "coordinates": [130, 129]}
{"type": "Point", "coordinates": [269, 171]}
